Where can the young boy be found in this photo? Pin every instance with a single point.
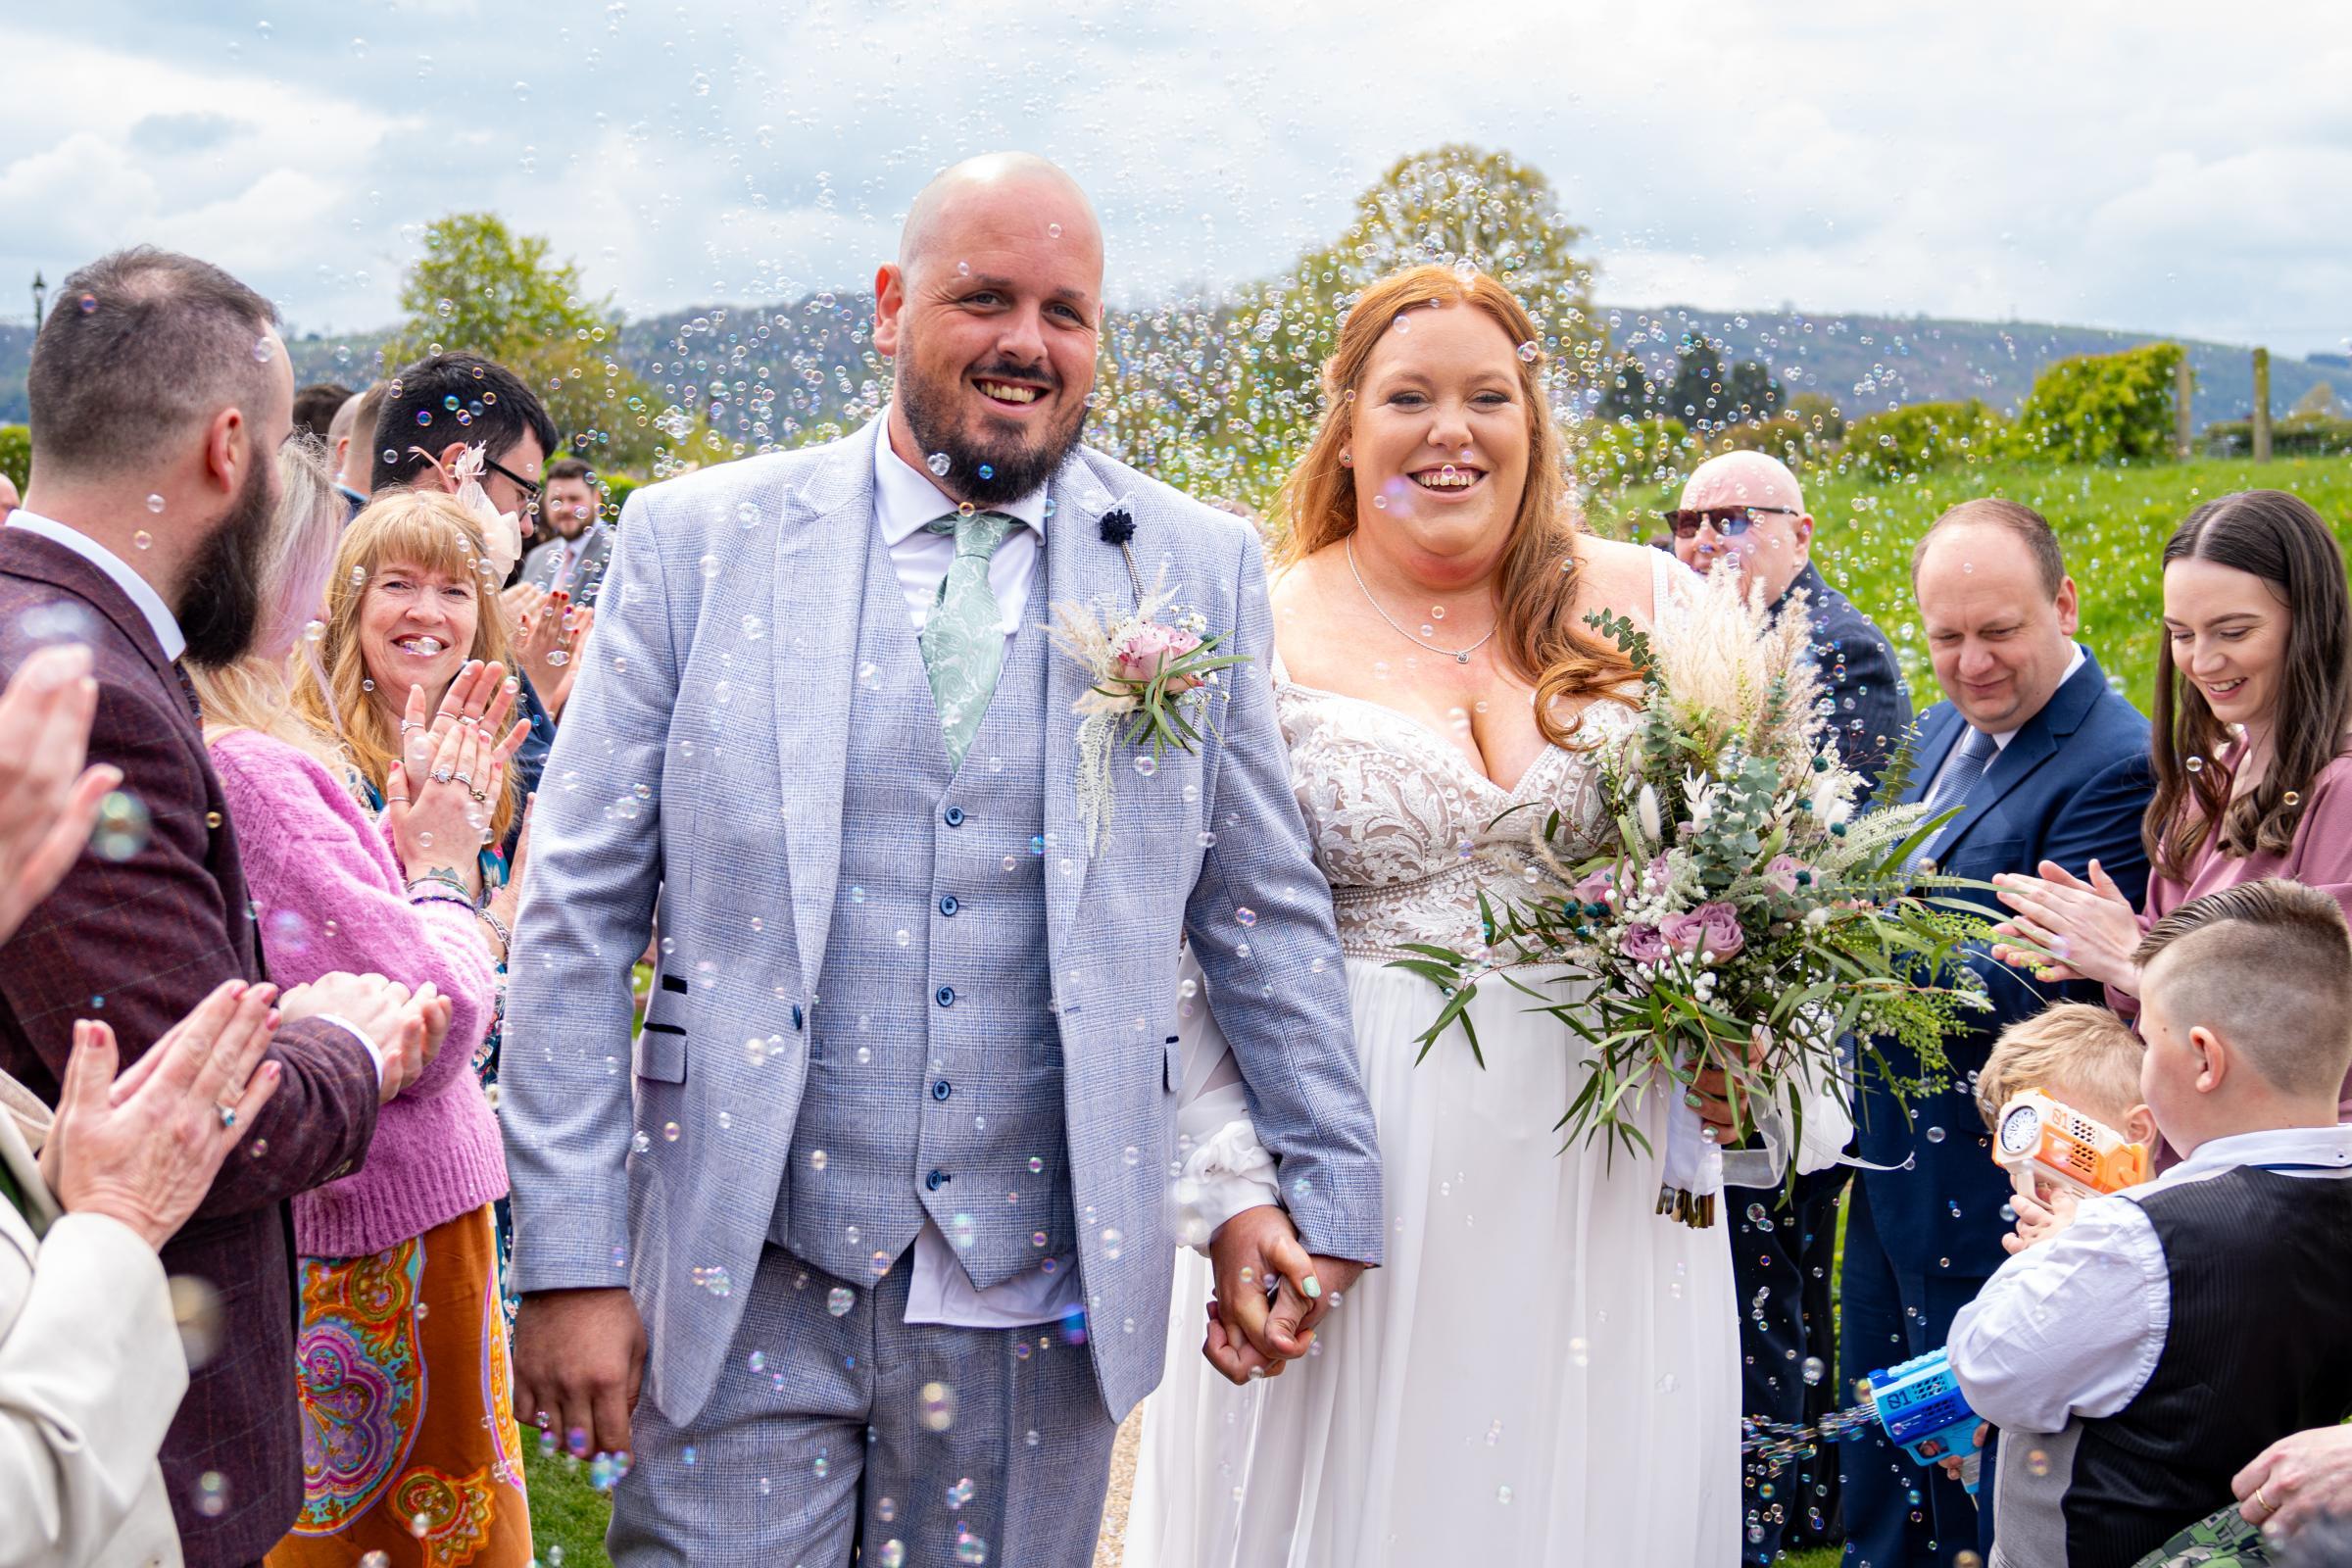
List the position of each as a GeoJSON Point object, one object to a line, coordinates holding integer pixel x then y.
{"type": "Point", "coordinates": [2135, 1360]}
{"type": "Point", "coordinates": [2085, 1059]}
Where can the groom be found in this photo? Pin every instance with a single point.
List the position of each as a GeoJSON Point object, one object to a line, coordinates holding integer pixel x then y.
{"type": "Point", "coordinates": [886, 1175]}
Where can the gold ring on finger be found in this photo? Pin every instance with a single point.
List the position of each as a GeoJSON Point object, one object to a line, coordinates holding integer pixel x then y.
{"type": "Point", "coordinates": [2267, 1509]}
{"type": "Point", "coordinates": [481, 797]}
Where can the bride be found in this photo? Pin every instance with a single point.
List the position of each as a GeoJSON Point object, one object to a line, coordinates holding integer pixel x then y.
{"type": "Point", "coordinates": [1545, 1371]}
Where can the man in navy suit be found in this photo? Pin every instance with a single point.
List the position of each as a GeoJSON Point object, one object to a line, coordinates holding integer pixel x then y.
{"type": "Point", "coordinates": [2045, 762]}
{"type": "Point", "coordinates": [1747, 509]}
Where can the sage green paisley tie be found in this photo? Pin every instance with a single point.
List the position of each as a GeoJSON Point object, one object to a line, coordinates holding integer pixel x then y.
{"type": "Point", "coordinates": [963, 638]}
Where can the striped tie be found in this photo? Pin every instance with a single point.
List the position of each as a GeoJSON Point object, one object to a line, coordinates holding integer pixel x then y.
{"type": "Point", "coordinates": [1968, 763]}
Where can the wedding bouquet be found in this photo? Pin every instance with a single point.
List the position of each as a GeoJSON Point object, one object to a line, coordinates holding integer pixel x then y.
{"type": "Point", "coordinates": [1746, 919]}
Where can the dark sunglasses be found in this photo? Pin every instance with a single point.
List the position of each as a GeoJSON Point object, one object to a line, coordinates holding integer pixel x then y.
{"type": "Point", "coordinates": [1729, 521]}
{"type": "Point", "coordinates": [528, 487]}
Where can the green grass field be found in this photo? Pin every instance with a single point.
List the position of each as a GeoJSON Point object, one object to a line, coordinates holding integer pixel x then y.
{"type": "Point", "coordinates": [2112, 524]}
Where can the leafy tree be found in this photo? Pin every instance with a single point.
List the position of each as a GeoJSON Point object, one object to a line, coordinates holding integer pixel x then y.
{"type": "Point", "coordinates": [2318, 403]}
{"type": "Point", "coordinates": [2104, 408]}
{"type": "Point", "coordinates": [1220, 396]}
{"type": "Point", "coordinates": [1626, 391]}
{"type": "Point", "coordinates": [480, 287]}
{"type": "Point", "coordinates": [16, 455]}
{"type": "Point", "coordinates": [1712, 392]}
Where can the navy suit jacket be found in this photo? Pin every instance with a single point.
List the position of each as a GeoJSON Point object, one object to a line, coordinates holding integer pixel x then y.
{"type": "Point", "coordinates": [1859, 674]}
{"type": "Point", "coordinates": [2069, 787]}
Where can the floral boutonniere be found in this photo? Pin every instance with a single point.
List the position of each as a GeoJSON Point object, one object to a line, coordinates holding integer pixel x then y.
{"type": "Point", "coordinates": [1149, 675]}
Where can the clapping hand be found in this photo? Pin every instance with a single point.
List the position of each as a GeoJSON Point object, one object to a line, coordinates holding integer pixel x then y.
{"type": "Point", "coordinates": [1255, 1327]}
{"type": "Point", "coordinates": [48, 800]}
{"type": "Point", "coordinates": [406, 1030]}
{"type": "Point", "coordinates": [548, 636]}
{"type": "Point", "coordinates": [439, 822]}
{"type": "Point", "coordinates": [143, 1148]}
{"type": "Point", "coordinates": [479, 697]}
{"type": "Point", "coordinates": [2066, 928]}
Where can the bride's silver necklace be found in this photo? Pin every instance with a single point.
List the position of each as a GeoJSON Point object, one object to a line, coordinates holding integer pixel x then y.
{"type": "Point", "coordinates": [1461, 656]}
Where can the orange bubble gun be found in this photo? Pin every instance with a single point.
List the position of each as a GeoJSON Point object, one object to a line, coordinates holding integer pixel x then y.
{"type": "Point", "coordinates": [2038, 1139]}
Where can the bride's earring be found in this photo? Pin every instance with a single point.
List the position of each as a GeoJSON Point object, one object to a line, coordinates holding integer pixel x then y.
{"type": "Point", "coordinates": [1347, 459]}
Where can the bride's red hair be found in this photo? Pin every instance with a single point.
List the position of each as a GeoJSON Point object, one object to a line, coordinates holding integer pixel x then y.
{"type": "Point", "coordinates": [1536, 584]}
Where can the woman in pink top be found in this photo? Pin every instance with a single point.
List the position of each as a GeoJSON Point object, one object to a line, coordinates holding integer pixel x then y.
{"type": "Point", "coordinates": [408, 1433]}
{"type": "Point", "coordinates": [2252, 738]}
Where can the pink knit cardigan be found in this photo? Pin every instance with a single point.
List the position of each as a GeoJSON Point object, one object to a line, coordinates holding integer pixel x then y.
{"type": "Point", "coordinates": [328, 895]}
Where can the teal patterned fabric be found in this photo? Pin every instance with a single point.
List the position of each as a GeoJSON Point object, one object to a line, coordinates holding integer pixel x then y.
{"type": "Point", "coordinates": [963, 638]}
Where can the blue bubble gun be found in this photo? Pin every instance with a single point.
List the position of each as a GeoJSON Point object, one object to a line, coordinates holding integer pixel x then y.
{"type": "Point", "coordinates": [1920, 1406]}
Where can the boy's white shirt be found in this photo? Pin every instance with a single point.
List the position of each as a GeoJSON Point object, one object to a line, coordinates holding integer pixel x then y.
{"type": "Point", "coordinates": [2074, 1327]}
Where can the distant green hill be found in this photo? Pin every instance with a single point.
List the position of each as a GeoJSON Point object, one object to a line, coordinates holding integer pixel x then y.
{"type": "Point", "coordinates": [1863, 362]}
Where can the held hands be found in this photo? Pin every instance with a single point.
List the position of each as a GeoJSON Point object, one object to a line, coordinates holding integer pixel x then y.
{"type": "Point", "coordinates": [2039, 1218]}
{"type": "Point", "coordinates": [143, 1148]}
{"type": "Point", "coordinates": [2065, 928]}
{"type": "Point", "coordinates": [579, 1360]}
{"type": "Point", "coordinates": [48, 801]}
{"type": "Point", "coordinates": [1255, 1328]}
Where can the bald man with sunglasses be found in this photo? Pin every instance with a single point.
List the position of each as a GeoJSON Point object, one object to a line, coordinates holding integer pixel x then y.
{"type": "Point", "coordinates": [1747, 509]}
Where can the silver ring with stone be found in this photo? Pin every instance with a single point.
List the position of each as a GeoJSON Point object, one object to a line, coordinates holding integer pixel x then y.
{"type": "Point", "coordinates": [228, 1115]}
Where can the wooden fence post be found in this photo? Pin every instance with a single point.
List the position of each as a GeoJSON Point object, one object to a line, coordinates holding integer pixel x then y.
{"type": "Point", "coordinates": [2262, 404]}
{"type": "Point", "coordinates": [2184, 382]}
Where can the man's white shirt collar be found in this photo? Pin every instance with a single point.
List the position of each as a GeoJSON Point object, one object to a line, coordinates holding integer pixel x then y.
{"type": "Point", "coordinates": [2326, 1147]}
{"type": "Point", "coordinates": [906, 498]}
{"type": "Point", "coordinates": [2002, 737]}
{"type": "Point", "coordinates": [135, 588]}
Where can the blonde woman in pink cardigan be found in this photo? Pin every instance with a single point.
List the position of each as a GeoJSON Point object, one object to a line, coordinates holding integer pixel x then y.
{"type": "Point", "coordinates": [2252, 738]}
{"type": "Point", "coordinates": [409, 1434]}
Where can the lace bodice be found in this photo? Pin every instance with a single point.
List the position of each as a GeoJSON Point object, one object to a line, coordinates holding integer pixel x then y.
{"type": "Point", "coordinates": [1404, 825]}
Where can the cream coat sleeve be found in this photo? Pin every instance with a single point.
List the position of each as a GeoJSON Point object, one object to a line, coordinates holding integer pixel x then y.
{"type": "Point", "coordinates": [90, 1373]}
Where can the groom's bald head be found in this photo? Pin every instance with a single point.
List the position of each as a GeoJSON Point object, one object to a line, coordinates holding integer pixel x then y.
{"type": "Point", "coordinates": [992, 197]}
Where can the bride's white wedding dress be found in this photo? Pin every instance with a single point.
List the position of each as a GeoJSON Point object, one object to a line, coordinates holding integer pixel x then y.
{"type": "Point", "coordinates": [1545, 1371]}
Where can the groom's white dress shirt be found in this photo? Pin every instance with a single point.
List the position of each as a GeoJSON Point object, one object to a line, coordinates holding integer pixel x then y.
{"type": "Point", "coordinates": [905, 501]}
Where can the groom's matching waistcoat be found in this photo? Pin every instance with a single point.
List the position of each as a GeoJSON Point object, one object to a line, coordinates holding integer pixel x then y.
{"type": "Point", "coordinates": [935, 1060]}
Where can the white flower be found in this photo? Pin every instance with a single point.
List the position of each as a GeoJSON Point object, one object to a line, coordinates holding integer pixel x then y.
{"type": "Point", "coordinates": [1645, 811]}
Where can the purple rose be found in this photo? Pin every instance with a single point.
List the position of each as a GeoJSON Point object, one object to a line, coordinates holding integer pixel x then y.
{"type": "Point", "coordinates": [1712, 931]}
{"type": "Point", "coordinates": [1642, 943]}
{"type": "Point", "coordinates": [1781, 873]}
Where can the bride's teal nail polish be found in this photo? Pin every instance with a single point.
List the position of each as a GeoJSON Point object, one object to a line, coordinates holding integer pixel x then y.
{"type": "Point", "coordinates": [1314, 1288]}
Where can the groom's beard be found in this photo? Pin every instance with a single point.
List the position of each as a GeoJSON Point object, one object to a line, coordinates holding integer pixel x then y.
{"type": "Point", "coordinates": [1016, 463]}
{"type": "Point", "coordinates": [221, 604]}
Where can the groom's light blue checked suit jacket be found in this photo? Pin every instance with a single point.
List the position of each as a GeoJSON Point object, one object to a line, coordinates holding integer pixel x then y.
{"type": "Point", "coordinates": [705, 756]}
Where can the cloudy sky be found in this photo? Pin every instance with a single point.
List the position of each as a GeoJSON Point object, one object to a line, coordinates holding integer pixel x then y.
{"type": "Point", "coordinates": [2152, 166]}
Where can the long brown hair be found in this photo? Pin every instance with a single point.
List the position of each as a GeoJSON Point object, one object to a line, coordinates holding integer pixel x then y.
{"type": "Point", "coordinates": [2279, 538]}
{"type": "Point", "coordinates": [1535, 585]}
{"type": "Point", "coordinates": [430, 531]}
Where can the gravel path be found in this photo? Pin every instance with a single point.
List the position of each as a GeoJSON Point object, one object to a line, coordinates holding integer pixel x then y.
{"type": "Point", "coordinates": [1122, 1484]}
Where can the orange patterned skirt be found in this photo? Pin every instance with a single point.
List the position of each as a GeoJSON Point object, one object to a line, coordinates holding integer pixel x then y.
{"type": "Point", "coordinates": [408, 1441]}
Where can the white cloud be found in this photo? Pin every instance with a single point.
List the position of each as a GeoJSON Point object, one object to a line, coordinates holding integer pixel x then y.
{"type": "Point", "coordinates": [2130, 165]}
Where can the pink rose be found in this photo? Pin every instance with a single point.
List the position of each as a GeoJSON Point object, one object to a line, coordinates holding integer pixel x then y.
{"type": "Point", "coordinates": [1597, 888]}
{"type": "Point", "coordinates": [1149, 646]}
{"type": "Point", "coordinates": [1642, 943]}
{"type": "Point", "coordinates": [1782, 872]}
{"type": "Point", "coordinates": [1712, 931]}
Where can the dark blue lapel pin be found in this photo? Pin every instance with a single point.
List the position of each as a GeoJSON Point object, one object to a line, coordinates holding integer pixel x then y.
{"type": "Point", "coordinates": [1117, 527]}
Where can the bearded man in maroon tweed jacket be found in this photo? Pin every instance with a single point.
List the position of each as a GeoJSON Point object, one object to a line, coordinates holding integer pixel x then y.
{"type": "Point", "coordinates": [160, 393]}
